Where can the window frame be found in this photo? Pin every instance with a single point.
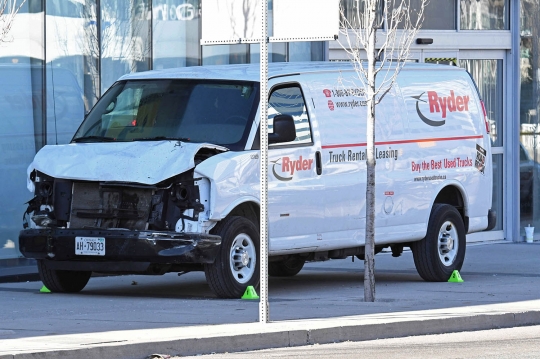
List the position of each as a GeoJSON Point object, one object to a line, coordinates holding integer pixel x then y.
{"type": "Point", "coordinates": [292, 143]}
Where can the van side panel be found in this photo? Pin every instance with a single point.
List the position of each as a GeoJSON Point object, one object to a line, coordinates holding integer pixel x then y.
{"type": "Point", "coordinates": [449, 140]}
{"type": "Point", "coordinates": [429, 134]}
{"type": "Point", "coordinates": [341, 111]}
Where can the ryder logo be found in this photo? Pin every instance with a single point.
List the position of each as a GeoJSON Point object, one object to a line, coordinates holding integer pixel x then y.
{"type": "Point", "coordinates": [441, 106]}
{"type": "Point", "coordinates": [289, 167]}
{"type": "Point", "coordinates": [331, 105]}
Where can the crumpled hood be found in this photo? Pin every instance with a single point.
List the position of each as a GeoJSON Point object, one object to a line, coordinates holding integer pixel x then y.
{"type": "Point", "coordinates": [146, 162]}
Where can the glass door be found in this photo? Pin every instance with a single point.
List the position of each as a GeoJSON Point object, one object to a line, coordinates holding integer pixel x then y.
{"type": "Point", "coordinates": [487, 70]}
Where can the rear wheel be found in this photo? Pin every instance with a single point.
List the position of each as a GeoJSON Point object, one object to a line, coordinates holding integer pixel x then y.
{"type": "Point", "coordinates": [236, 266]}
{"type": "Point", "coordinates": [62, 281]}
{"type": "Point", "coordinates": [287, 268]}
{"type": "Point", "coordinates": [443, 249]}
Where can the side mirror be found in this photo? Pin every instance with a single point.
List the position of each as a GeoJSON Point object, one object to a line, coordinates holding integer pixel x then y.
{"type": "Point", "coordinates": [284, 130]}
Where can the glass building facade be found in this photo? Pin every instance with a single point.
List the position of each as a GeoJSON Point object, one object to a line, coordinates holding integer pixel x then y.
{"type": "Point", "coordinates": [529, 123]}
{"type": "Point", "coordinates": [62, 55]}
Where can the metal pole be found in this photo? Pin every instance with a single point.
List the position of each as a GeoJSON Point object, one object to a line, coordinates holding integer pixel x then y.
{"type": "Point", "coordinates": [264, 314]}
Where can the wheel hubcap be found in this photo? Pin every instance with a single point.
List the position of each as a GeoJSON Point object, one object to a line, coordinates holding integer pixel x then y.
{"type": "Point", "coordinates": [243, 258]}
{"type": "Point", "coordinates": [448, 243]}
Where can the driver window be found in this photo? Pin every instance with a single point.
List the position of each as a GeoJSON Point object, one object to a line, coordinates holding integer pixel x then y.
{"type": "Point", "coordinates": [290, 101]}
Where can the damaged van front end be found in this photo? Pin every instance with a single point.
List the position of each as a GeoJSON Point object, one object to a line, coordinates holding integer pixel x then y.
{"type": "Point", "coordinates": [128, 222]}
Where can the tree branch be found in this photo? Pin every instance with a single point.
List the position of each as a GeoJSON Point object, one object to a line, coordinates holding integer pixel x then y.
{"type": "Point", "coordinates": [8, 10]}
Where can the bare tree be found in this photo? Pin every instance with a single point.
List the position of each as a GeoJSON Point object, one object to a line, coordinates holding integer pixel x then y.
{"type": "Point", "coordinates": [399, 21]}
{"type": "Point", "coordinates": [8, 10]}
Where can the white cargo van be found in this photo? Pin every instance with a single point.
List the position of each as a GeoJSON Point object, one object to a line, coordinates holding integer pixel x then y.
{"type": "Point", "coordinates": [163, 175]}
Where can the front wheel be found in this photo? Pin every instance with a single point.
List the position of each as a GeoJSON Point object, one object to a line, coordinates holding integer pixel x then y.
{"type": "Point", "coordinates": [236, 267]}
{"type": "Point", "coordinates": [443, 249]}
{"type": "Point", "coordinates": [62, 281]}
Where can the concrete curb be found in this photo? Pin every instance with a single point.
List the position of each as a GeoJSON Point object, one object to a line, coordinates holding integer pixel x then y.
{"type": "Point", "coordinates": [183, 341]}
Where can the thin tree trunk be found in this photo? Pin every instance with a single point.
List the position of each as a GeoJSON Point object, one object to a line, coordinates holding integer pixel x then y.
{"type": "Point", "coordinates": [369, 260]}
{"type": "Point", "coordinates": [401, 30]}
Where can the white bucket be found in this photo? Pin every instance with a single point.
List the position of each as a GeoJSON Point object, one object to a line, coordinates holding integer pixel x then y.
{"type": "Point", "coordinates": [529, 231]}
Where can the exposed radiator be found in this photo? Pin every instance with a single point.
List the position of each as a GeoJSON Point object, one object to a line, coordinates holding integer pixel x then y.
{"type": "Point", "coordinates": [98, 205]}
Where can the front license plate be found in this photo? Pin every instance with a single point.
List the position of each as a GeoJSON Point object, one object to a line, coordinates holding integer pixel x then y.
{"type": "Point", "coordinates": [90, 246]}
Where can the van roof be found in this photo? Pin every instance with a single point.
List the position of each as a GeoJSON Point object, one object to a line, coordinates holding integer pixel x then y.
{"type": "Point", "coordinates": [250, 72]}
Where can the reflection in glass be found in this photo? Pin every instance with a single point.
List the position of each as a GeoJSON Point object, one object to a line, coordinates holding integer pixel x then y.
{"type": "Point", "coordinates": [306, 51]}
{"type": "Point", "coordinates": [125, 39]}
{"type": "Point", "coordinates": [488, 76]}
{"type": "Point", "coordinates": [353, 11]}
{"type": "Point", "coordinates": [350, 9]}
{"type": "Point", "coordinates": [176, 33]}
{"type": "Point", "coordinates": [497, 203]}
{"type": "Point", "coordinates": [290, 101]}
{"type": "Point", "coordinates": [529, 165]}
{"type": "Point", "coordinates": [484, 15]}
{"type": "Point", "coordinates": [438, 15]}
{"type": "Point", "coordinates": [277, 52]}
{"type": "Point", "coordinates": [71, 66]}
{"type": "Point", "coordinates": [292, 52]}
{"type": "Point", "coordinates": [225, 54]}
{"type": "Point", "coordinates": [22, 109]}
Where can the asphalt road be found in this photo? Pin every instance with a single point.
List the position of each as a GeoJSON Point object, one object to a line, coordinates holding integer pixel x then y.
{"type": "Point", "coordinates": [516, 343]}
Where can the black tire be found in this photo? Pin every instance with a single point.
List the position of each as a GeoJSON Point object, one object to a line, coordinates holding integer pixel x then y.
{"type": "Point", "coordinates": [287, 268]}
{"type": "Point", "coordinates": [237, 265]}
{"type": "Point", "coordinates": [62, 281]}
{"type": "Point", "coordinates": [436, 256]}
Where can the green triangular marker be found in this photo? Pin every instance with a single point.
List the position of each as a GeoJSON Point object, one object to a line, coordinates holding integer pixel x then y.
{"type": "Point", "coordinates": [250, 293]}
{"type": "Point", "coordinates": [44, 290]}
{"type": "Point", "coordinates": [455, 277]}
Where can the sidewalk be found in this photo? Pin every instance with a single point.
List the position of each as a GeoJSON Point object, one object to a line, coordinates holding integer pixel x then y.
{"type": "Point", "coordinates": [18, 270]}
{"type": "Point", "coordinates": [114, 318]}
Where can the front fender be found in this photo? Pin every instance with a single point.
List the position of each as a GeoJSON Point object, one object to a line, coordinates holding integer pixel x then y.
{"type": "Point", "coordinates": [234, 179]}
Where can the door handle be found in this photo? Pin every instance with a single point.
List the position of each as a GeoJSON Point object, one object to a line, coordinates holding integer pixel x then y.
{"type": "Point", "coordinates": [318, 162]}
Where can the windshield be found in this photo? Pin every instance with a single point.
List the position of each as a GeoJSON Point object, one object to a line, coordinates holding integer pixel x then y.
{"type": "Point", "coordinates": [217, 112]}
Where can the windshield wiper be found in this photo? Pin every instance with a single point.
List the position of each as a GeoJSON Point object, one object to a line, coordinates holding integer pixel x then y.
{"type": "Point", "coordinates": [94, 139]}
{"type": "Point", "coordinates": [162, 138]}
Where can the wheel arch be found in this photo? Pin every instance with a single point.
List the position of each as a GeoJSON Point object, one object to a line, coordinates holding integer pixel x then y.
{"type": "Point", "coordinates": [454, 195]}
{"type": "Point", "coordinates": [248, 209]}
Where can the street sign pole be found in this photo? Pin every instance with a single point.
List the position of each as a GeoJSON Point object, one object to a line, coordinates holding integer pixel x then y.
{"type": "Point", "coordinates": [264, 314]}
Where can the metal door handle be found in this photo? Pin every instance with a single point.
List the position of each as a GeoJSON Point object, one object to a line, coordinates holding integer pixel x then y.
{"type": "Point", "coordinates": [318, 162]}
